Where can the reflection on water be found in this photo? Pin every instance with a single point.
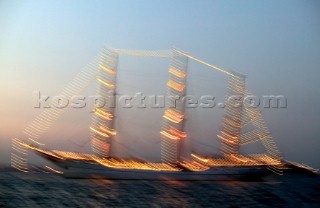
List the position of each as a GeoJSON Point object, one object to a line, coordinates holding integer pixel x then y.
{"type": "Point", "coordinates": [47, 190]}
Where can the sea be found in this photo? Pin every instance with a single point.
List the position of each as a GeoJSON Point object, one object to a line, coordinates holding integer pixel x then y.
{"type": "Point", "coordinates": [19, 189]}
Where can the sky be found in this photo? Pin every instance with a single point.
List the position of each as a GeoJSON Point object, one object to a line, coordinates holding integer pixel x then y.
{"type": "Point", "coordinates": [44, 44]}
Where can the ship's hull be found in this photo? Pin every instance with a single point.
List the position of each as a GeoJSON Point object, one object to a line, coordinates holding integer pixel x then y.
{"type": "Point", "coordinates": [83, 169]}
{"type": "Point", "coordinates": [218, 173]}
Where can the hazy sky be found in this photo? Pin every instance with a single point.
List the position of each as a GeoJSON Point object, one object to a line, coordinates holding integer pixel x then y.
{"type": "Point", "coordinates": [43, 44]}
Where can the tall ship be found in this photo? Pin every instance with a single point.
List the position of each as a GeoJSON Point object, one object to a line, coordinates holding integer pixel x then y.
{"type": "Point", "coordinates": [241, 125]}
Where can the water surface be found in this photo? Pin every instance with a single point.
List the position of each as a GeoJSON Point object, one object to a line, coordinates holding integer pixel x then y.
{"type": "Point", "coordinates": [48, 190]}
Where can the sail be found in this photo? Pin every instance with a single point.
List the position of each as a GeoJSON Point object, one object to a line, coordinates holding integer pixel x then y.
{"type": "Point", "coordinates": [34, 132]}
{"type": "Point", "coordinates": [244, 125]}
{"type": "Point", "coordinates": [173, 119]}
{"type": "Point", "coordinates": [230, 133]}
{"type": "Point", "coordinates": [102, 127]}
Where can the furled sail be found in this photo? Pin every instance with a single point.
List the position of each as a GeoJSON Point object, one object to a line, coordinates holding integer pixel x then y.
{"type": "Point", "coordinates": [230, 133]}
{"type": "Point", "coordinates": [173, 119]}
{"type": "Point", "coordinates": [102, 127]}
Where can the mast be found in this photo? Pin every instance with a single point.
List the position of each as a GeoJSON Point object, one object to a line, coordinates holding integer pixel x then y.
{"type": "Point", "coordinates": [231, 127]}
{"type": "Point", "coordinates": [102, 127]}
{"type": "Point", "coordinates": [173, 119]}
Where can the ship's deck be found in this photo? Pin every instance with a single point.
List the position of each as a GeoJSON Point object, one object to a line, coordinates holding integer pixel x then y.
{"type": "Point", "coordinates": [197, 163]}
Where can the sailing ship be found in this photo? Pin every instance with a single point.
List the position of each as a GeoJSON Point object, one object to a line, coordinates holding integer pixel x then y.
{"type": "Point", "coordinates": [101, 164]}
